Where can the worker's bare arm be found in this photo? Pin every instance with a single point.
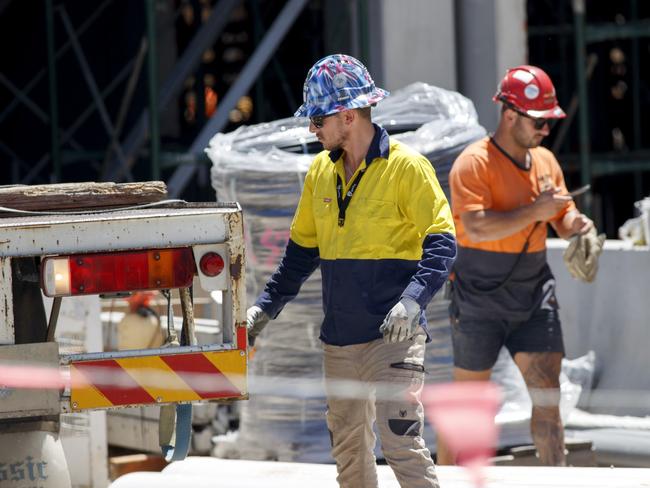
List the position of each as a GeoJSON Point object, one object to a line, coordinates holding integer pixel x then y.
{"type": "Point", "coordinates": [490, 225]}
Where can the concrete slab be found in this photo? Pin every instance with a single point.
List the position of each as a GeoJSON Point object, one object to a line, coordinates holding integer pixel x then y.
{"type": "Point", "coordinates": [609, 317]}
{"type": "Point", "coordinates": [223, 473]}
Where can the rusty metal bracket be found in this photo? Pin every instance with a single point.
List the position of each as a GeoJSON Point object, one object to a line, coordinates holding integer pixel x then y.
{"type": "Point", "coordinates": [188, 316]}
{"type": "Point", "coordinates": [54, 317]}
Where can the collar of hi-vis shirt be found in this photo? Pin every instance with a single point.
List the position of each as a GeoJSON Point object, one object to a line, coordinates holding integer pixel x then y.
{"type": "Point", "coordinates": [379, 148]}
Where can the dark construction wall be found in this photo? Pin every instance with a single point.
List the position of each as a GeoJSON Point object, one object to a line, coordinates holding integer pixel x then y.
{"type": "Point", "coordinates": [613, 135]}
{"type": "Point", "coordinates": [112, 41]}
{"type": "Point", "coordinates": [107, 45]}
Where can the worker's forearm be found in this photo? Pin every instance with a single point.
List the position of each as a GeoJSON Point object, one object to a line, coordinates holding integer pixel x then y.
{"type": "Point", "coordinates": [438, 255]}
{"type": "Point", "coordinates": [490, 225]}
{"type": "Point", "coordinates": [564, 227]}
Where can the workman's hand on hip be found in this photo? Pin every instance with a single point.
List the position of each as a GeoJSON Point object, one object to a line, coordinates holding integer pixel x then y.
{"type": "Point", "coordinates": [256, 320]}
{"type": "Point", "coordinates": [402, 321]}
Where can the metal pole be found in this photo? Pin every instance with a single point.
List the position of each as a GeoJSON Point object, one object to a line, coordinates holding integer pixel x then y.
{"type": "Point", "coordinates": [634, 62]}
{"type": "Point", "coordinates": [62, 50]}
{"type": "Point", "coordinates": [24, 99]}
{"type": "Point", "coordinates": [199, 85]}
{"type": "Point", "coordinates": [259, 85]}
{"type": "Point", "coordinates": [564, 127]}
{"type": "Point", "coordinates": [258, 31]}
{"type": "Point", "coordinates": [190, 58]}
{"type": "Point", "coordinates": [251, 71]}
{"type": "Point", "coordinates": [125, 104]}
{"type": "Point", "coordinates": [583, 108]}
{"type": "Point", "coordinates": [362, 25]}
{"type": "Point", "coordinates": [54, 317]}
{"type": "Point", "coordinates": [152, 65]}
{"type": "Point", "coordinates": [54, 105]}
{"type": "Point", "coordinates": [69, 132]}
{"type": "Point", "coordinates": [90, 81]}
{"type": "Point", "coordinates": [187, 309]}
{"type": "Point", "coordinates": [564, 48]}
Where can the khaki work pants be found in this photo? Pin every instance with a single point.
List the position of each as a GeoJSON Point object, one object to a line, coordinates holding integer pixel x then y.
{"type": "Point", "coordinates": [378, 381]}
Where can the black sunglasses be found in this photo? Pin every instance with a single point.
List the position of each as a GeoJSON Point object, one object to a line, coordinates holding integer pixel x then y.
{"type": "Point", "coordinates": [538, 122]}
{"type": "Point", "coordinates": [319, 120]}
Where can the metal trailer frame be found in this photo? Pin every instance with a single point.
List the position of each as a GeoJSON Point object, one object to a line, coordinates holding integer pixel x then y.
{"type": "Point", "coordinates": [205, 227]}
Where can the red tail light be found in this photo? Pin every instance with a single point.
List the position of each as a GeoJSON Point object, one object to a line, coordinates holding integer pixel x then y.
{"type": "Point", "coordinates": [89, 274]}
{"type": "Point", "coordinates": [211, 264]}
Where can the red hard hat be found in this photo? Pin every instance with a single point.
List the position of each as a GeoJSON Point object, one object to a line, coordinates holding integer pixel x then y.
{"type": "Point", "coordinates": [531, 91]}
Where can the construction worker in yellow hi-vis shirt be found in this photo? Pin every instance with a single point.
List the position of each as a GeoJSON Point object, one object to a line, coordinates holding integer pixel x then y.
{"type": "Point", "coordinates": [373, 216]}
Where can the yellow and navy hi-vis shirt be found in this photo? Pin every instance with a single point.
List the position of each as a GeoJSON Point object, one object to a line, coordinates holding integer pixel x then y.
{"type": "Point", "coordinates": [398, 240]}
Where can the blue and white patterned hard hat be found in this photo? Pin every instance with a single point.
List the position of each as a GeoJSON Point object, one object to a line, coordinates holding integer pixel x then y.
{"type": "Point", "coordinates": [336, 83]}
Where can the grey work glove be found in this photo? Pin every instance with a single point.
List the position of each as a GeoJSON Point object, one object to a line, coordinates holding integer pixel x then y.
{"type": "Point", "coordinates": [401, 322]}
{"type": "Point", "coordinates": [581, 256]}
{"type": "Point", "coordinates": [256, 320]}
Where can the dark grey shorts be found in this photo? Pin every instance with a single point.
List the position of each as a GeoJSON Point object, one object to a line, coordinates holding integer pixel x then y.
{"type": "Point", "coordinates": [477, 342]}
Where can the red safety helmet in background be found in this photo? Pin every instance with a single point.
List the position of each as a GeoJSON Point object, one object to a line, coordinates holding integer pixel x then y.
{"type": "Point", "coordinates": [529, 90]}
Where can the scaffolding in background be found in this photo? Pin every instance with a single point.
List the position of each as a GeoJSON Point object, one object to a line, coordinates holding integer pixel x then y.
{"type": "Point", "coordinates": [130, 143]}
{"type": "Point", "coordinates": [577, 40]}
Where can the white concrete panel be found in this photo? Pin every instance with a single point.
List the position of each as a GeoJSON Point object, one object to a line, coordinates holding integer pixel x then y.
{"type": "Point", "coordinates": [209, 472]}
{"type": "Point", "coordinates": [610, 316]}
{"type": "Point", "coordinates": [418, 41]}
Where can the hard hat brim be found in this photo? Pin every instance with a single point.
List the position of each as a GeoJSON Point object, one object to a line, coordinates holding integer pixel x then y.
{"type": "Point", "coordinates": [308, 109]}
{"type": "Point", "coordinates": [553, 113]}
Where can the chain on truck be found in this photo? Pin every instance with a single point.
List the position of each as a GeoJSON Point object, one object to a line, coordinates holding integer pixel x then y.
{"type": "Point", "coordinates": [140, 242]}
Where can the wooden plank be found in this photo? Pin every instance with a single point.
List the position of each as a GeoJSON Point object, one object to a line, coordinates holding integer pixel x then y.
{"type": "Point", "coordinates": [120, 465]}
{"type": "Point", "coordinates": [69, 196]}
{"type": "Point", "coordinates": [579, 453]}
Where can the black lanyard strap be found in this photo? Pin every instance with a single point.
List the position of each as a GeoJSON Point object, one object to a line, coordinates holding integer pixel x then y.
{"type": "Point", "coordinates": [486, 291]}
{"type": "Point", "coordinates": [342, 201]}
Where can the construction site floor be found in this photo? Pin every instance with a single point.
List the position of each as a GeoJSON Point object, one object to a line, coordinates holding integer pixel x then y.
{"type": "Point", "coordinates": [200, 472]}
